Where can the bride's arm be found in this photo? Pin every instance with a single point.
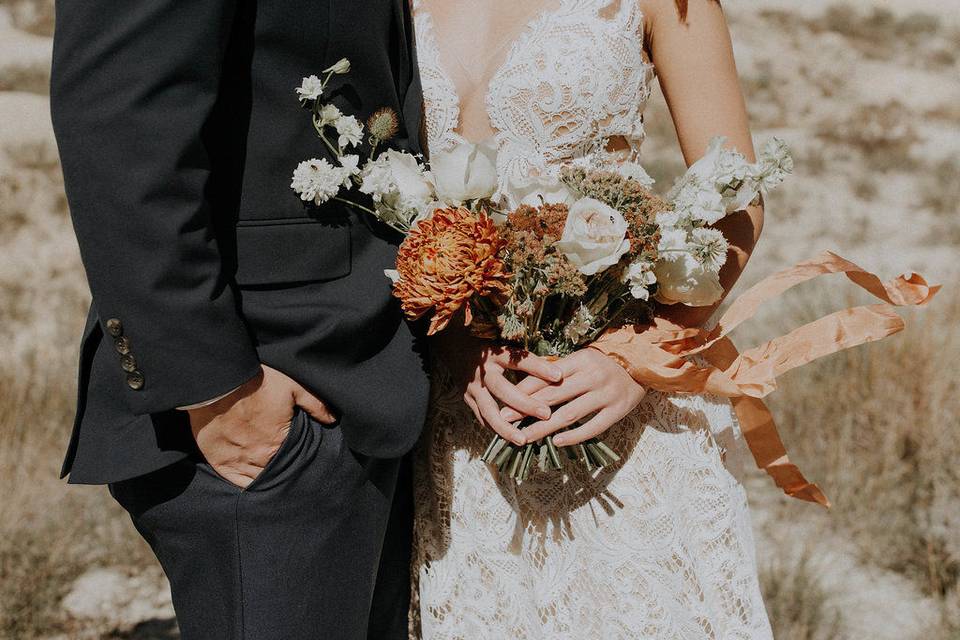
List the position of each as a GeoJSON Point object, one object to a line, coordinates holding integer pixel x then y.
{"type": "Point", "coordinates": [698, 76]}
{"type": "Point", "coordinates": [694, 61]}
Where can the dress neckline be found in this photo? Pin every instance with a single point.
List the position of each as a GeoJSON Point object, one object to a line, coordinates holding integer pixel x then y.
{"type": "Point", "coordinates": [512, 46]}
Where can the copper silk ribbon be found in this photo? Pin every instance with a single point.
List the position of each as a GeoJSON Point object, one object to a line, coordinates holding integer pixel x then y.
{"type": "Point", "coordinates": [656, 355]}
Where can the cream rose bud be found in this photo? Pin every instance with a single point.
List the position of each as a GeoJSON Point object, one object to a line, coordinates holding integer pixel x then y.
{"type": "Point", "coordinates": [594, 236]}
{"type": "Point", "coordinates": [340, 67]}
{"type": "Point", "coordinates": [635, 171]}
{"type": "Point", "coordinates": [466, 172]}
{"type": "Point", "coordinates": [682, 279]}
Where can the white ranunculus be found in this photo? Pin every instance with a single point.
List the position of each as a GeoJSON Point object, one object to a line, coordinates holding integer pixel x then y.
{"type": "Point", "coordinates": [466, 172]}
{"type": "Point", "coordinates": [594, 236]}
{"type": "Point", "coordinates": [539, 191]}
{"type": "Point", "coordinates": [350, 131]}
{"type": "Point", "coordinates": [311, 88]}
{"type": "Point", "coordinates": [682, 279]}
{"type": "Point", "coordinates": [317, 181]}
{"type": "Point", "coordinates": [635, 171]}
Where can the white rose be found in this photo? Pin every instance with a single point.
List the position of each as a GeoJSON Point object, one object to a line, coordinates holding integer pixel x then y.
{"type": "Point", "coordinates": [466, 172]}
{"type": "Point", "coordinates": [682, 279]}
{"type": "Point", "coordinates": [594, 236]}
{"type": "Point", "coordinates": [539, 191]}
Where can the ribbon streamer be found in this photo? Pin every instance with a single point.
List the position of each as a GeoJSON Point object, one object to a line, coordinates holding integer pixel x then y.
{"type": "Point", "coordinates": [656, 355]}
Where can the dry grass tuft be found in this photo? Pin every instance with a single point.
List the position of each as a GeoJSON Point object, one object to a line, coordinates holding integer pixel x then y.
{"type": "Point", "coordinates": [33, 16]}
{"type": "Point", "coordinates": [882, 134]}
{"type": "Point", "coordinates": [49, 533]}
{"type": "Point", "coordinates": [797, 604]}
{"type": "Point", "coordinates": [879, 428]}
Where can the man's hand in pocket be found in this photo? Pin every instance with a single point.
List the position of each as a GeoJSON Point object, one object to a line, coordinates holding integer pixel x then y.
{"type": "Point", "coordinates": [240, 433]}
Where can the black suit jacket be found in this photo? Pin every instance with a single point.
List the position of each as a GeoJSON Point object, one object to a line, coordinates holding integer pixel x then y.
{"type": "Point", "coordinates": [179, 129]}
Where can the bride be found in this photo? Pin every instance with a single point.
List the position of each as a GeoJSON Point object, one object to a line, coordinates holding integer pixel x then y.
{"type": "Point", "coordinates": [659, 546]}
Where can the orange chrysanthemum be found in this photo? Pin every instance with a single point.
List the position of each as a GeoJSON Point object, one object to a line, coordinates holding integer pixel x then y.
{"type": "Point", "coordinates": [445, 261]}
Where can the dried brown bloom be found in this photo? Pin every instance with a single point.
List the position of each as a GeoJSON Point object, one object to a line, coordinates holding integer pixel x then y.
{"type": "Point", "coordinates": [447, 260]}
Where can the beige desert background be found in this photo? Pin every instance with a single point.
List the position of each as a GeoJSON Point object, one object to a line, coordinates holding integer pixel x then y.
{"type": "Point", "coordinates": [867, 94]}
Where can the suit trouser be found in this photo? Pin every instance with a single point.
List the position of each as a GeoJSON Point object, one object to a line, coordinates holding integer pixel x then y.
{"type": "Point", "coordinates": [318, 546]}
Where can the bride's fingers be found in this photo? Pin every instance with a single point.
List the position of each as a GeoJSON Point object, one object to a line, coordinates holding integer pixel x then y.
{"type": "Point", "coordinates": [470, 402]}
{"type": "Point", "coordinates": [531, 364]}
{"type": "Point", "coordinates": [531, 384]}
{"type": "Point", "coordinates": [593, 427]}
{"type": "Point", "coordinates": [490, 413]}
{"type": "Point", "coordinates": [508, 394]}
{"type": "Point", "coordinates": [552, 395]}
{"type": "Point", "coordinates": [563, 417]}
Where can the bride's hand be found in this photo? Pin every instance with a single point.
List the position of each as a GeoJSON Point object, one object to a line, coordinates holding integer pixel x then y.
{"type": "Point", "coordinates": [480, 370]}
{"type": "Point", "coordinates": [593, 383]}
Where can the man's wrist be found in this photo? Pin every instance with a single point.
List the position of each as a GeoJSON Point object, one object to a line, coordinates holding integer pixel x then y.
{"type": "Point", "coordinates": [207, 403]}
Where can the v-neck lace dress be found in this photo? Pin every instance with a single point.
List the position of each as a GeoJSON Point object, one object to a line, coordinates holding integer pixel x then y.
{"type": "Point", "coordinates": [658, 547]}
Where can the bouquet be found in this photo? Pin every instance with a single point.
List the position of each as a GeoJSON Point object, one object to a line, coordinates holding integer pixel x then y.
{"type": "Point", "coordinates": [561, 262]}
{"type": "Point", "coordinates": [576, 255]}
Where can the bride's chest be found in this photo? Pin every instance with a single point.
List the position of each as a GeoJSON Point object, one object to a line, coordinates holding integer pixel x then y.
{"type": "Point", "coordinates": [572, 71]}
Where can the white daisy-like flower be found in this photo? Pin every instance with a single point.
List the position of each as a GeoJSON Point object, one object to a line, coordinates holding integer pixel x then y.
{"type": "Point", "coordinates": [710, 247]}
{"type": "Point", "coordinates": [640, 276]}
{"type": "Point", "coordinates": [311, 88]}
{"type": "Point", "coordinates": [316, 180]}
{"type": "Point", "coordinates": [350, 131]}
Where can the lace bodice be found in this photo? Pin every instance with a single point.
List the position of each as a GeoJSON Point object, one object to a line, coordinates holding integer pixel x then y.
{"type": "Point", "coordinates": [576, 74]}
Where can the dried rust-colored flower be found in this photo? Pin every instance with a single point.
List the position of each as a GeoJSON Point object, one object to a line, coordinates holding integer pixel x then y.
{"type": "Point", "coordinates": [447, 260]}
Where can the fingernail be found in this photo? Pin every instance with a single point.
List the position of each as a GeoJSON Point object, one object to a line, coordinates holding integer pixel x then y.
{"type": "Point", "coordinates": [543, 413]}
{"type": "Point", "coordinates": [556, 373]}
{"type": "Point", "coordinates": [559, 441]}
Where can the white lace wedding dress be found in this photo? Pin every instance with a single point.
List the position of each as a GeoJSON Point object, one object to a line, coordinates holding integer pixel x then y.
{"type": "Point", "coordinates": [659, 547]}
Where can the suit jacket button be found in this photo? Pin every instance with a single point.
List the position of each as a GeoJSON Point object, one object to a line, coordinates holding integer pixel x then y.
{"type": "Point", "coordinates": [114, 327]}
{"type": "Point", "coordinates": [135, 380]}
{"type": "Point", "coordinates": [128, 363]}
{"type": "Point", "coordinates": [122, 345]}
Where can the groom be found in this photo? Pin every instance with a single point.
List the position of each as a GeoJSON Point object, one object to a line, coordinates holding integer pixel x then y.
{"type": "Point", "coordinates": [247, 385]}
